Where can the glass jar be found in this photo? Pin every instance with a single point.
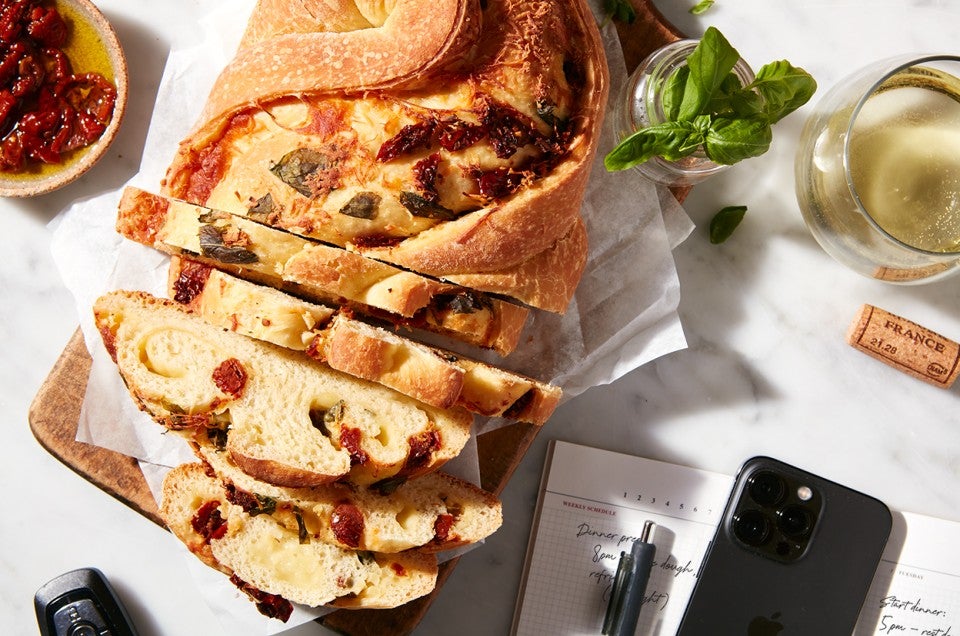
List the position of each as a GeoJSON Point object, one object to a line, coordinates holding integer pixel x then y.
{"type": "Point", "coordinates": [640, 105]}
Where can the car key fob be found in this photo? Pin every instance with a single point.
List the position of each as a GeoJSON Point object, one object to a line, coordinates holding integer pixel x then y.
{"type": "Point", "coordinates": [81, 603]}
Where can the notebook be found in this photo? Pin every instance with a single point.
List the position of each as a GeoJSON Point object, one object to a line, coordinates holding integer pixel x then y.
{"type": "Point", "coordinates": [592, 504]}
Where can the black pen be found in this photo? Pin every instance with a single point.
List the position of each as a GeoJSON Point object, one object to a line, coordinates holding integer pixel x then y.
{"type": "Point", "coordinates": [629, 586]}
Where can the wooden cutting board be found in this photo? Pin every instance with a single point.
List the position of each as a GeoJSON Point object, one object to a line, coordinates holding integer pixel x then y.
{"type": "Point", "coordinates": [55, 411]}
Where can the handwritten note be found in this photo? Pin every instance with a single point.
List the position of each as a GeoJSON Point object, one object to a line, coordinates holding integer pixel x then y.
{"type": "Point", "coordinates": [592, 507]}
{"type": "Point", "coordinates": [593, 504]}
{"type": "Point", "coordinates": [916, 590]}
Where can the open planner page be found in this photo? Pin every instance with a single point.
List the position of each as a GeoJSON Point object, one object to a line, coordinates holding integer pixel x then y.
{"type": "Point", "coordinates": [593, 504]}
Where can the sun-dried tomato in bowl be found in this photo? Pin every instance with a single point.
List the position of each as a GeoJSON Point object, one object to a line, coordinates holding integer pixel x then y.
{"type": "Point", "coordinates": [46, 109]}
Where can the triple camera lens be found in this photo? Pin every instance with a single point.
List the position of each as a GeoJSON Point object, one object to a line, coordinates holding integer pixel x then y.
{"type": "Point", "coordinates": [776, 514]}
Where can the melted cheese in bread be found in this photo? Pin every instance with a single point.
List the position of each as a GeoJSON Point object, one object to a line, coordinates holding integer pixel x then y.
{"type": "Point", "coordinates": [515, 87]}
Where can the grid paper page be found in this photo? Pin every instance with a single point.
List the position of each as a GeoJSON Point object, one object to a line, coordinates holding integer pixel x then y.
{"type": "Point", "coordinates": [593, 505]}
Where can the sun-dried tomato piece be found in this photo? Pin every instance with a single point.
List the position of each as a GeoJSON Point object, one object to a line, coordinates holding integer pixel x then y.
{"type": "Point", "coordinates": [252, 503]}
{"type": "Point", "coordinates": [190, 282]}
{"type": "Point", "coordinates": [230, 377]}
{"type": "Point", "coordinates": [427, 177]}
{"type": "Point", "coordinates": [411, 138]}
{"type": "Point", "coordinates": [11, 19]}
{"type": "Point", "coordinates": [509, 129]}
{"type": "Point", "coordinates": [499, 183]}
{"type": "Point", "coordinates": [456, 134]}
{"type": "Point", "coordinates": [441, 527]}
{"type": "Point", "coordinates": [373, 241]}
{"type": "Point", "coordinates": [208, 522]}
{"type": "Point", "coordinates": [422, 447]}
{"type": "Point", "coordinates": [350, 441]}
{"type": "Point", "coordinates": [270, 605]}
{"type": "Point", "coordinates": [347, 523]}
{"type": "Point", "coordinates": [47, 27]}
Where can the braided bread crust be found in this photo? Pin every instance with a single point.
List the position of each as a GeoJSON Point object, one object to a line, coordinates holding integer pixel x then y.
{"type": "Point", "coordinates": [447, 139]}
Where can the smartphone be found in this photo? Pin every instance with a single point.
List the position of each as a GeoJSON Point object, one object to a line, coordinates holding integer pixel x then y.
{"type": "Point", "coordinates": [794, 554]}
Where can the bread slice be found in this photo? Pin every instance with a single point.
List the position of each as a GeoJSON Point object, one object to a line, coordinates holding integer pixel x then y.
{"type": "Point", "coordinates": [321, 272]}
{"type": "Point", "coordinates": [263, 556]}
{"type": "Point", "coordinates": [435, 376]}
{"type": "Point", "coordinates": [433, 512]}
{"type": "Point", "coordinates": [287, 419]}
{"type": "Point", "coordinates": [372, 352]}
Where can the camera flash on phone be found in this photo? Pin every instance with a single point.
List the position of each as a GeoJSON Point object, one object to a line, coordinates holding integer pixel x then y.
{"type": "Point", "coordinates": [804, 493]}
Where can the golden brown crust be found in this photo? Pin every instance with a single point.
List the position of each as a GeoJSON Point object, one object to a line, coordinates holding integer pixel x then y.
{"type": "Point", "coordinates": [535, 63]}
{"type": "Point", "coordinates": [277, 473]}
{"type": "Point", "coordinates": [278, 58]}
{"type": "Point", "coordinates": [352, 351]}
{"type": "Point", "coordinates": [547, 280]}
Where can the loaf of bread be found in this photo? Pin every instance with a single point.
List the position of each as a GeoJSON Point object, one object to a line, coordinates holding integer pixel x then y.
{"type": "Point", "coordinates": [452, 138]}
{"type": "Point", "coordinates": [433, 512]}
{"type": "Point", "coordinates": [414, 164]}
{"type": "Point", "coordinates": [323, 273]}
{"type": "Point", "coordinates": [434, 376]}
{"type": "Point", "coordinates": [286, 419]}
{"type": "Point", "coordinates": [277, 565]}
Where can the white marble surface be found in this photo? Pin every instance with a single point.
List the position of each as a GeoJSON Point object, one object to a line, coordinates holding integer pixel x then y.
{"type": "Point", "coordinates": [766, 371]}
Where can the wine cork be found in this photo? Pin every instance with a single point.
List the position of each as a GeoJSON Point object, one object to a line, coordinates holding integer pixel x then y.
{"type": "Point", "coordinates": [906, 346]}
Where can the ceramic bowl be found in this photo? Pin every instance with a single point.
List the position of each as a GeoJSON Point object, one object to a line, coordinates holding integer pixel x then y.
{"type": "Point", "coordinates": [92, 46]}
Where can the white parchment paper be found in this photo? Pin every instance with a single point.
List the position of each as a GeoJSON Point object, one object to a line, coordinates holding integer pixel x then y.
{"type": "Point", "coordinates": [623, 315]}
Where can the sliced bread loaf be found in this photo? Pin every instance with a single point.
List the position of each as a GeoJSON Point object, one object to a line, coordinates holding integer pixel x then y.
{"type": "Point", "coordinates": [433, 512]}
{"type": "Point", "coordinates": [287, 419]}
{"type": "Point", "coordinates": [265, 557]}
{"type": "Point", "coordinates": [435, 376]}
{"type": "Point", "coordinates": [320, 272]}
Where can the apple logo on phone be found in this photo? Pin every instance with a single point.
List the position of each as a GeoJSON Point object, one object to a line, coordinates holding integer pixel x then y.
{"type": "Point", "coordinates": [763, 626]}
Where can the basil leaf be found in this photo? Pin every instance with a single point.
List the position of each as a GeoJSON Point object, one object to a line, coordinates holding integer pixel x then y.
{"type": "Point", "coordinates": [732, 140]}
{"type": "Point", "coordinates": [670, 140]}
{"type": "Point", "coordinates": [362, 205]}
{"type": "Point", "coordinates": [784, 88]}
{"type": "Point", "coordinates": [725, 222]}
{"type": "Point", "coordinates": [425, 208]}
{"type": "Point", "coordinates": [671, 93]}
{"type": "Point", "coordinates": [701, 7]}
{"type": "Point", "coordinates": [709, 63]}
{"type": "Point", "coordinates": [733, 101]}
{"type": "Point", "coordinates": [297, 167]}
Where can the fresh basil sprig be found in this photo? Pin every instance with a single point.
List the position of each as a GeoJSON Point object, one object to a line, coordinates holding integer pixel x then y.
{"type": "Point", "coordinates": [707, 106]}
